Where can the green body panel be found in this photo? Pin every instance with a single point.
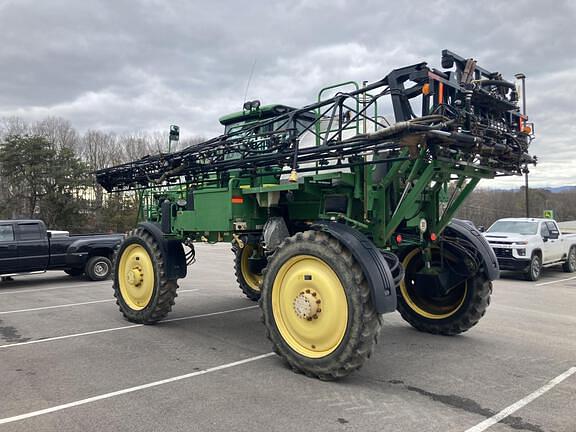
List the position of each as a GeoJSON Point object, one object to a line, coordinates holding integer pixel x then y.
{"type": "Point", "coordinates": [411, 190]}
{"type": "Point", "coordinates": [213, 212]}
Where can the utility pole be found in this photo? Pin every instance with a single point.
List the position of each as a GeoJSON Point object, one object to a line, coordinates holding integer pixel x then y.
{"type": "Point", "coordinates": [522, 78]}
{"type": "Point", "coordinates": [526, 171]}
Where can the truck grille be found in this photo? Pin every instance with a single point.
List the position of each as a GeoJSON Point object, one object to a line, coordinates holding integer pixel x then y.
{"type": "Point", "coordinates": [503, 253]}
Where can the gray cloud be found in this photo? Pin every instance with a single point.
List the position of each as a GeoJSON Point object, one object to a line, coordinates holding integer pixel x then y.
{"type": "Point", "coordinates": [142, 65]}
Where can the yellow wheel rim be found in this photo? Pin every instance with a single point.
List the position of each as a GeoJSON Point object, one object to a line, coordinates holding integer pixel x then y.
{"type": "Point", "coordinates": [253, 280]}
{"type": "Point", "coordinates": [136, 277]}
{"type": "Point", "coordinates": [420, 305]}
{"type": "Point", "coordinates": [309, 305]}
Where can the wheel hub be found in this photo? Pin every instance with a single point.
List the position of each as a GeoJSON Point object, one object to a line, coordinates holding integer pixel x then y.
{"type": "Point", "coordinates": [135, 276]}
{"type": "Point", "coordinates": [307, 305]}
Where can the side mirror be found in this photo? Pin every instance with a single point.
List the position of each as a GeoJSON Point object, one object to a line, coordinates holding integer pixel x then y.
{"type": "Point", "coordinates": [545, 238]}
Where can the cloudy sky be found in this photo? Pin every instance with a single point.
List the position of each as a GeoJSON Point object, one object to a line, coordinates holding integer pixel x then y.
{"type": "Point", "coordinates": [133, 65]}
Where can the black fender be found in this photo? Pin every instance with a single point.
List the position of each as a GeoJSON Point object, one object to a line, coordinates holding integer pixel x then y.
{"type": "Point", "coordinates": [376, 269]}
{"type": "Point", "coordinates": [88, 245]}
{"type": "Point", "coordinates": [172, 251]}
{"type": "Point", "coordinates": [464, 230]}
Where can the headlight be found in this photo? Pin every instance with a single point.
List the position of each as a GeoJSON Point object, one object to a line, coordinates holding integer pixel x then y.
{"type": "Point", "coordinates": [521, 243]}
{"type": "Point", "coordinates": [181, 203]}
{"type": "Point", "coordinates": [521, 252]}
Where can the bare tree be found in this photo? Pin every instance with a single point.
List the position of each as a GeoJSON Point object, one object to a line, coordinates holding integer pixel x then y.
{"type": "Point", "coordinates": [57, 131]}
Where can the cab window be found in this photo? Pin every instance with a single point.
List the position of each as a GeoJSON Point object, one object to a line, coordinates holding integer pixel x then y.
{"type": "Point", "coordinates": [544, 231]}
{"type": "Point", "coordinates": [29, 232]}
{"type": "Point", "coordinates": [6, 233]}
{"type": "Point", "coordinates": [553, 229]}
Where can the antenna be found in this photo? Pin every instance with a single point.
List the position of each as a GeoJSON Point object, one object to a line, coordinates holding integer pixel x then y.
{"type": "Point", "coordinates": [249, 80]}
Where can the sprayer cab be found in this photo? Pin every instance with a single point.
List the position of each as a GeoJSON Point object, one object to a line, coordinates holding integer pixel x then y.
{"type": "Point", "coordinates": [253, 112]}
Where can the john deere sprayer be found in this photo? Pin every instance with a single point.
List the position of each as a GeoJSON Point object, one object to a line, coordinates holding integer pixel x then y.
{"type": "Point", "coordinates": [338, 212]}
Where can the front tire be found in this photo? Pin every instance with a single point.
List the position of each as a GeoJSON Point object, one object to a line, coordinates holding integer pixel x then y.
{"type": "Point", "coordinates": [317, 306]}
{"type": "Point", "coordinates": [143, 293]}
{"type": "Point", "coordinates": [570, 265]}
{"type": "Point", "coordinates": [450, 314]}
{"type": "Point", "coordinates": [535, 269]}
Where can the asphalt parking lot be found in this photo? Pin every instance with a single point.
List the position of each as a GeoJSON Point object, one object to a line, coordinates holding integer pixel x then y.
{"type": "Point", "coordinates": [69, 362]}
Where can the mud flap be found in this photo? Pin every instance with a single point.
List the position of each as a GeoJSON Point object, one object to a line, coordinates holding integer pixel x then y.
{"type": "Point", "coordinates": [375, 267]}
{"type": "Point", "coordinates": [172, 250]}
{"type": "Point", "coordinates": [462, 229]}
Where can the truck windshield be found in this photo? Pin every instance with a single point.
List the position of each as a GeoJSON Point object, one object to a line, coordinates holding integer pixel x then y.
{"type": "Point", "coordinates": [516, 227]}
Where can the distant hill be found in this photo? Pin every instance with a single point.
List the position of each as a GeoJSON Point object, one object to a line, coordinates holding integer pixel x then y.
{"type": "Point", "coordinates": [561, 189]}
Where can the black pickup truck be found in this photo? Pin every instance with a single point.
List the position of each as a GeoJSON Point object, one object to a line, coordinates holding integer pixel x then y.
{"type": "Point", "coordinates": [27, 247]}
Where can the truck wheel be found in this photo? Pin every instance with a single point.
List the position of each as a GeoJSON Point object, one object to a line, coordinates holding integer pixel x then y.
{"type": "Point", "coordinates": [570, 265]}
{"type": "Point", "coordinates": [141, 288]}
{"type": "Point", "coordinates": [74, 272]}
{"type": "Point", "coordinates": [535, 269]}
{"type": "Point", "coordinates": [249, 282]}
{"type": "Point", "coordinates": [98, 268]}
{"type": "Point", "coordinates": [317, 306]}
{"type": "Point", "coordinates": [451, 314]}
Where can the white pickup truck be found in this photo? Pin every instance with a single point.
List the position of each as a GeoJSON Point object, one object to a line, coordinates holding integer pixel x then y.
{"type": "Point", "coordinates": [527, 244]}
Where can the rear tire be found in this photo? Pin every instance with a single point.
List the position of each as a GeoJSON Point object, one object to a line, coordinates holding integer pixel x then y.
{"type": "Point", "coordinates": [317, 306]}
{"type": "Point", "coordinates": [143, 293]}
{"type": "Point", "coordinates": [570, 265]}
{"type": "Point", "coordinates": [98, 268]}
{"type": "Point", "coordinates": [535, 269]}
{"type": "Point", "coordinates": [449, 315]}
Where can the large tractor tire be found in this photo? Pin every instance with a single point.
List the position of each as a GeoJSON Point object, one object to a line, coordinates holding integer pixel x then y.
{"type": "Point", "coordinates": [141, 288]}
{"type": "Point", "coordinates": [248, 281]}
{"type": "Point", "coordinates": [317, 306]}
{"type": "Point", "coordinates": [450, 314]}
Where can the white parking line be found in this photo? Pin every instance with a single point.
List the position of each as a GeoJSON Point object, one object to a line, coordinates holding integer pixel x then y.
{"type": "Point", "coordinates": [74, 335]}
{"type": "Point", "coordinates": [23, 291]}
{"type": "Point", "coordinates": [556, 281]}
{"type": "Point", "coordinates": [521, 403]}
{"type": "Point", "coordinates": [131, 389]}
{"type": "Point", "coordinates": [71, 304]}
{"type": "Point", "coordinates": [55, 307]}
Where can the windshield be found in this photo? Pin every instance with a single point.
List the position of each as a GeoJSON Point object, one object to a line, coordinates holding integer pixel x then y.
{"type": "Point", "coordinates": [516, 227]}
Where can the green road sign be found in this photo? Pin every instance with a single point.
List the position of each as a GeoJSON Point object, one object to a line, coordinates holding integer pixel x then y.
{"type": "Point", "coordinates": [549, 214]}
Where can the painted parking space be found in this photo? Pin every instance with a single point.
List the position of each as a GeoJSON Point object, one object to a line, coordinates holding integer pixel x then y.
{"type": "Point", "coordinates": [190, 373]}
